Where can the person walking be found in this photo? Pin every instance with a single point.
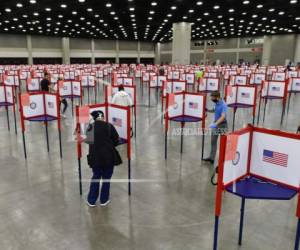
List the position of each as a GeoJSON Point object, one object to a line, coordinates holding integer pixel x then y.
{"type": "Point", "coordinates": [103, 139]}
{"type": "Point", "coordinates": [219, 126]}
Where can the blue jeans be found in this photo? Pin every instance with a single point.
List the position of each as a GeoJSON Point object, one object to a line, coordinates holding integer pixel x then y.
{"type": "Point", "coordinates": [99, 174]}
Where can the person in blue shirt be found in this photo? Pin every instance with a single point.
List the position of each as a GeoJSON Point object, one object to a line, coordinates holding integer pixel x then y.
{"type": "Point", "coordinates": [219, 126]}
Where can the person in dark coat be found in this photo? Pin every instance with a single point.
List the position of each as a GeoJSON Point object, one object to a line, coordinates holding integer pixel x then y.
{"type": "Point", "coordinates": [102, 158]}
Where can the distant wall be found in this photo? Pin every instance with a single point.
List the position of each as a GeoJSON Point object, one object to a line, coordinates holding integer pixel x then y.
{"type": "Point", "coordinates": [38, 49]}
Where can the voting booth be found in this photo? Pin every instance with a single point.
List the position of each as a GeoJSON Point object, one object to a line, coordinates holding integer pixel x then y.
{"type": "Point", "coordinates": [238, 80]}
{"type": "Point", "coordinates": [208, 85]}
{"type": "Point", "coordinates": [33, 84]}
{"type": "Point", "coordinates": [185, 108]}
{"type": "Point", "coordinates": [126, 81]}
{"type": "Point", "coordinates": [273, 90]}
{"type": "Point", "coordinates": [70, 90]}
{"type": "Point", "coordinates": [40, 107]}
{"type": "Point", "coordinates": [293, 88]}
{"type": "Point", "coordinates": [257, 78]}
{"type": "Point", "coordinates": [7, 99]}
{"type": "Point", "coordinates": [156, 82]}
{"type": "Point", "coordinates": [172, 87]}
{"type": "Point", "coordinates": [261, 164]}
{"type": "Point", "coordinates": [278, 76]}
{"type": "Point", "coordinates": [118, 116]}
{"type": "Point", "coordinates": [110, 91]}
{"type": "Point", "coordinates": [89, 82]}
{"type": "Point", "coordinates": [241, 97]}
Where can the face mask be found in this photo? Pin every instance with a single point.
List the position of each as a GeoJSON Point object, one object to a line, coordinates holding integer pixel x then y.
{"type": "Point", "coordinates": [215, 100]}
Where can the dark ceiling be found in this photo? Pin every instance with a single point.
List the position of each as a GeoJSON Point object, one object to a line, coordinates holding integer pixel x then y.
{"type": "Point", "coordinates": [149, 20]}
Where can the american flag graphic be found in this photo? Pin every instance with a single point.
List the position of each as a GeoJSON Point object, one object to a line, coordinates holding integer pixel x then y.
{"type": "Point", "coordinates": [212, 84]}
{"type": "Point", "coordinates": [193, 105]}
{"type": "Point", "coordinates": [276, 88]}
{"type": "Point", "coordinates": [275, 158]}
{"type": "Point", "coordinates": [245, 95]}
{"type": "Point", "coordinates": [178, 88]}
{"type": "Point", "coordinates": [117, 122]}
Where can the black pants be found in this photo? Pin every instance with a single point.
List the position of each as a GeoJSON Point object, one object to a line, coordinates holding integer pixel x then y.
{"type": "Point", "coordinates": [65, 103]}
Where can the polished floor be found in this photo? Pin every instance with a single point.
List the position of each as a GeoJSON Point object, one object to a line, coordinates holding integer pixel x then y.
{"type": "Point", "coordinates": [172, 202]}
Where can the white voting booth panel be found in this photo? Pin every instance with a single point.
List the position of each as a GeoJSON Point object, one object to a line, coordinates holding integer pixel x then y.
{"type": "Point", "coordinates": [179, 86]}
{"type": "Point", "coordinates": [278, 76]}
{"type": "Point", "coordinates": [238, 80]}
{"type": "Point", "coordinates": [69, 75]}
{"type": "Point", "coordinates": [12, 80]}
{"type": "Point", "coordinates": [88, 81]}
{"type": "Point", "coordinates": [257, 78]}
{"type": "Point", "coordinates": [6, 94]}
{"type": "Point", "coordinates": [209, 84]}
{"type": "Point", "coordinates": [99, 74]}
{"type": "Point", "coordinates": [160, 80]}
{"type": "Point", "coordinates": [231, 94]}
{"type": "Point", "coordinates": [246, 95]}
{"type": "Point", "coordinates": [176, 109]}
{"type": "Point", "coordinates": [294, 84]}
{"type": "Point", "coordinates": [146, 77]}
{"type": "Point", "coordinates": [127, 81]}
{"type": "Point", "coordinates": [51, 105]}
{"type": "Point", "coordinates": [291, 74]}
{"type": "Point", "coordinates": [189, 78]}
{"type": "Point", "coordinates": [194, 105]}
{"type": "Point", "coordinates": [118, 117]}
{"type": "Point", "coordinates": [174, 75]}
{"type": "Point", "coordinates": [33, 84]}
{"type": "Point", "coordinates": [36, 107]}
{"type": "Point", "coordinates": [24, 75]}
{"type": "Point", "coordinates": [211, 75]}
{"type": "Point", "coordinates": [276, 158]}
{"type": "Point", "coordinates": [237, 168]}
{"type": "Point", "coordinates": [273, 88]}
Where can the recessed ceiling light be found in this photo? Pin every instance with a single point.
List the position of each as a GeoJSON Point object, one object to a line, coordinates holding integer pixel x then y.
{"type": "Point", "coordinates": [7, 10]}
{"type": "Point", "coordinates": [199, 3]}
{"type": "Point", "coordinates": [81, 1]}
{"type": "Point", "coordinates": [173, 8]}
{"type": "Point", "coordinates": [63, 6]}
{"type": "Point", "coordinates": [32, 1]}
{"type": "Point", "coordinates": [19, 5]}
{"type": "Point", "coordinates": [154, 3]}
{"type": "Point", "coordinates": [216, 7]}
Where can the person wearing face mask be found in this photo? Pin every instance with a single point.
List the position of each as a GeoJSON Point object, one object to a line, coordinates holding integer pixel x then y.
{"type": "Point", "coordinates": [219, 126]}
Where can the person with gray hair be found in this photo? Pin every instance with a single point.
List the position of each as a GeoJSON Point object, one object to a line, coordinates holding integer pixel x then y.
{"type": "Point", "coordinates": [102, 157]}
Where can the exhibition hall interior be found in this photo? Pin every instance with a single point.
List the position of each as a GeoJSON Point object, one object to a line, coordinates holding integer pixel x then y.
{"type": "Point", "coordinates": [149, 124]}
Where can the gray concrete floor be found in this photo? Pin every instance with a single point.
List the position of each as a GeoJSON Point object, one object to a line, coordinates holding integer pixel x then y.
{"type": "Point", "coordinates": [40, 205]}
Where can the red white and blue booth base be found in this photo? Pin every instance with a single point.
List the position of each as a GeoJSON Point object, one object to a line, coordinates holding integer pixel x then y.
{"type": "Point", "coordinates": [7, 99]}
{"type": "Point", "coordinates": [40, 107]}
{"type": "Point", "coordinates": [261, 164]}
{"type": "Point", "coordinates": [185, 108]}
{"type": "Point", "coordinates": [118, 116]}
{"type": "Point", "coordinates": [241, 97]}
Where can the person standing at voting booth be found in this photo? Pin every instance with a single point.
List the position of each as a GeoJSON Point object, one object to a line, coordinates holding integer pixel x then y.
{"type": "Point", "coordinates": [122, 98]}
{"type": "Point", "coordinates": [219, 126]}
{"type": "Point", "coordinates": [103, 139]}
{"type": "Point", "coordinates": [45, 83]}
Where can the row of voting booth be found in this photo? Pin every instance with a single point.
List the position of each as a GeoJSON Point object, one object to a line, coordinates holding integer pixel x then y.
{"type": "Point", "coordinates": [260, 164]}
{"type": "Point", "coordinates": [118, 116]}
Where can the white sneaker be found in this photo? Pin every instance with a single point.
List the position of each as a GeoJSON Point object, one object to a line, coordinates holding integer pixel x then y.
{"type": "Point", "coordinates": [90, 205]}
{"type": "Point", "coordinates": [105, 204]}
